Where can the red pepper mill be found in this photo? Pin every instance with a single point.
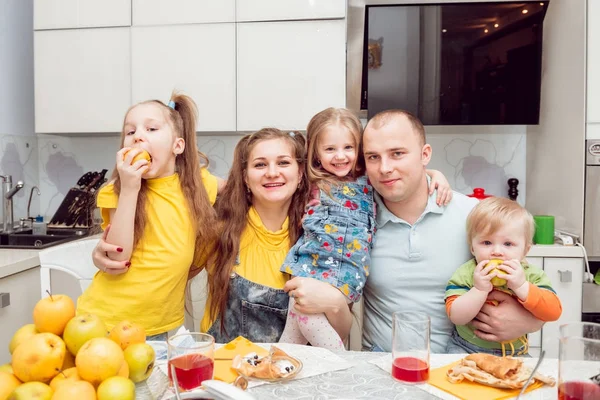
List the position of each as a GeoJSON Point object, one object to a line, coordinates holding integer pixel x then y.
{"type": "Point", "coordinates": [479, 193]}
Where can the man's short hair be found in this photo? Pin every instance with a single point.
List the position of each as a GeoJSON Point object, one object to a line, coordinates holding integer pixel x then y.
{"type": "Point", "coordinates": [384, 117]}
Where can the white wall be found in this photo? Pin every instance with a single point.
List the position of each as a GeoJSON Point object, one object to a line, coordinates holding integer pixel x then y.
{"type": "Point", "coordinates": [555, 148]}
{"type": "Point", "coordinates": [18, 143]}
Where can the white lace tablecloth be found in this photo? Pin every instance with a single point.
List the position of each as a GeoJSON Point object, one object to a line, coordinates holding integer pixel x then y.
{"type": "Point", "coordinates": [365, 379]}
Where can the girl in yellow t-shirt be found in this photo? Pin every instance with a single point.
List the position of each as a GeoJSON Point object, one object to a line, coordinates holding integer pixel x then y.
{"type": "Point", "coordinates": [159, 206]}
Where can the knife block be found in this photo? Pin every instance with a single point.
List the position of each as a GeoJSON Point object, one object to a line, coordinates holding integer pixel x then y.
{"type": "Point", "coordinates": [75, 211]}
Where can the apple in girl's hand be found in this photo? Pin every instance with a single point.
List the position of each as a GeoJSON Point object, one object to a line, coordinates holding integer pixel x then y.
{"type": "Point", "coordinates": [496, 281]}
{"type": "Point", "coordinates": [143, 155]}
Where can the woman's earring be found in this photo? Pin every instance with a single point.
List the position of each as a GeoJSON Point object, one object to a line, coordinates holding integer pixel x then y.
{"type": "Point", "coordinates": [247, 189]}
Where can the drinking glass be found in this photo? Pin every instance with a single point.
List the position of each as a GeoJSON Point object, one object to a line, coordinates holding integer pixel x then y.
{"type": "Point", "coordinates": [579, 361]}
{"type": "Point", "coordinates": [410, 346]}
{"type": "Point", "coordinates": [191, 356]}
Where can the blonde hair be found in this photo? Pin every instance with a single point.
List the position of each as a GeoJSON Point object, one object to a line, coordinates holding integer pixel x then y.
{"type": "Point", "coordinates": [317, 125]}
{"type": "Point", "coordinates": [182, 118]}
{"type": "Point", "coordinates": [491, 214]}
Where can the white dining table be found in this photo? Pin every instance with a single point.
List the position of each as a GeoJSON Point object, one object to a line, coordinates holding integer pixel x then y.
{"type": "Point", "coordinates": [364, 379]}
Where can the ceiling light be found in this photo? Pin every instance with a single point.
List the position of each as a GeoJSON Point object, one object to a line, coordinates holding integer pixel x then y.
{"type": "Point", "coordinates": [496, 25]}
{"type": "Point", "coordinates": [486, 31]}
{"type": "Point", "coordinates": [541, 4]}
{"type": "Point", "coordinates": [444, 30]}
{"type": "Point", "coordinates": [525, 11]}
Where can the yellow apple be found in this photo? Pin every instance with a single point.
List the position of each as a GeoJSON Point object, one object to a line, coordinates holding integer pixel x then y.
{"type": "Point", "coordinates": [116, 387]}
{"type": "Point", "coordinates": [140, 359]}
{"type": "Point", "coordinates": [124, 370]}
{"type": "Point", "coordinates": [82, 328]}
{"type": "Point", "coordinates": [22, 334]}
{"type": "Point", "coordinates": [40, 359]}
{"type": "Point", "coordinates": [52, 313]}
{"type": "Point", "coordinates": [66, 375]}
{"type": "Point", "coordinates": [99, 359]}
{"type": "Point", "coordinates": [6, 368]}
{"type": "Point", "coordinates": [126, 333]}
{"type": "Point", "coordinates": [8, 383]}
{"type": "Point", "coordinates": [497, 281]}
{"type": "Point", "coordinates": [69, 361]}
{"type": "Point", "coordinates": [32, 391]}
{"type": "Point", "coordinates": [76, 390]}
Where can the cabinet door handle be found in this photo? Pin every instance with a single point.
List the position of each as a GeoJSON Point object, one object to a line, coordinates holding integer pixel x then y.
{"type": "Point", "coordinates": [565, 276]}
{"type": "Point", "coordinates": [4, 300]}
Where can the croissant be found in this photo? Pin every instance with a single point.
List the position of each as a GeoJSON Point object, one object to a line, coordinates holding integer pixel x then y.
{"type": "Point", "coordinates": [276, 365]}
{"type": "Point", "coordinates": [499, 372]}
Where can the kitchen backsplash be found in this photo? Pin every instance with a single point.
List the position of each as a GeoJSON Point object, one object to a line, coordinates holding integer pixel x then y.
{"type": "Point", "coordinates": [55, 163]}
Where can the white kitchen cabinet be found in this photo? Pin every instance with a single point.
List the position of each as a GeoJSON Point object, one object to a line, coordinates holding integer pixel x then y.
{"type": "Point", "coordinates": [277, 10]}
{"type": "Point", "coordinates": [593, 63]}
{"type": "Point", "coordinates": [82, 80]}
{"type": "Point", "coordinates": [202, 66]}
{"type": "Point", "coordinates": [160, 12]}
{"type": "Point", "coordinates": [24, 291]}
{"type": "Point", "coordinates": [289, 71]}
{"type": "Point", "coordinates": [63, 14]}
{"type": "Point", "coordinates": [566, 275]}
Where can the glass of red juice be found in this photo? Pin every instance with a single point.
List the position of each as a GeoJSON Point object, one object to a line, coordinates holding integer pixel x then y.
{"type": "Point", "coordinates": [579, 361]}
{"type": "Point", "coordinates": [410, 346]}
{"type": "Point", "coordinates": [190, 360]}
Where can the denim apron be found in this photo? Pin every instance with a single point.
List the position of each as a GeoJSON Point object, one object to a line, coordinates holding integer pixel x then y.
{"type": "Point", "coordinates": [254, 311]}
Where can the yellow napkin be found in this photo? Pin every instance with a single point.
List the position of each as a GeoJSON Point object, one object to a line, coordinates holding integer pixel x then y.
{"type": "Point", "coordinates": [467, 390]}
{"type": "Point", "coordinates": [225, 354]}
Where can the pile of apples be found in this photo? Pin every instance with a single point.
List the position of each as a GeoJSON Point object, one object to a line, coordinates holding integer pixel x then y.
{"type": "Point", "coordinates": [62, 356]}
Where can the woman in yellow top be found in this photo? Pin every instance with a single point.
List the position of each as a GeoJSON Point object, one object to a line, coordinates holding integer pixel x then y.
{"type": "Point", "coordinates": [261, 210]}
{"type": "Point", "coordinates": [160, 210]}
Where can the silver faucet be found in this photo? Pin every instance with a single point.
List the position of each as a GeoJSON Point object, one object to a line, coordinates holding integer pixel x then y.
{"type": "Point", "coordinates": [9, 191]}
{"type": "Point", "coordinates": [29, 217]}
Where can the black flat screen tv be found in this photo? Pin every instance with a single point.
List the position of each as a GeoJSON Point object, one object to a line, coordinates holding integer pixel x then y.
{"type": "Point", "coordinates": [455, 63]}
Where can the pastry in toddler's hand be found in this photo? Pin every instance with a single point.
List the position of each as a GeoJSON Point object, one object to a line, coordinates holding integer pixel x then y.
{"type": "Point", "coordinates": [277, 365]}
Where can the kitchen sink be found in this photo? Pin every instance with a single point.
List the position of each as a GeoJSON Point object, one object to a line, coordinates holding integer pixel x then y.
{"type": "Point", "coordinates": [25, 239]}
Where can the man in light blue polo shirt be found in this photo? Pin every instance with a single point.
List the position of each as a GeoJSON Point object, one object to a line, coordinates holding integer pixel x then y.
{"type": "Point", "coordinates": [418, 244]}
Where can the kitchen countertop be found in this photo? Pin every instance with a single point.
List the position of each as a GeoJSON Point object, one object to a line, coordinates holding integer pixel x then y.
{"type": "Point", "coordinates": [13, 261]}
{"type": "Point", "coordinates": [555, 250]}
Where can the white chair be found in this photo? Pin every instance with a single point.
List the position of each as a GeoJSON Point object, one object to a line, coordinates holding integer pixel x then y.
{"type": "Point", "coordinates": [195, 301]}
{"type": "Point", "coordinates": [74, 258]}
{"type": "Point", "coordinates": [354, 342]}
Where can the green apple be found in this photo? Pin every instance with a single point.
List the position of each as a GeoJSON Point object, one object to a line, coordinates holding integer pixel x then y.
{"type": "Point", "coordinates": [140, 359]}
{"type": "Point", "coordinates": [116, 387]}
{"type": "Point", "coordinates": [82, 328]}
{"type": "Point", "coordinates": [31, 391]}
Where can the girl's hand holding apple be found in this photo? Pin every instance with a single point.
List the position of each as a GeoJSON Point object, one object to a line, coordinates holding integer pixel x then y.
{"type": "Point", "coordinates": [131, 165]}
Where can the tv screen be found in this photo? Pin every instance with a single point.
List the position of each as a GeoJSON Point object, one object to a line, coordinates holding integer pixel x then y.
{"type": "Point", "coordinates": [455, 63]}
